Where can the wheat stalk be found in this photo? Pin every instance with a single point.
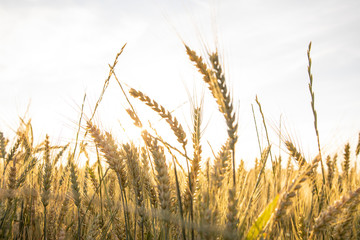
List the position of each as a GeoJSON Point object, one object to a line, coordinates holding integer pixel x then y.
{"type": "Point", "coordinates": [314, 111]}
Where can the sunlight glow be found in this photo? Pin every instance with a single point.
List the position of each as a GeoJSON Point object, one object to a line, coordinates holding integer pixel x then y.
{"type": "Point", "coordinates": [52, 53]}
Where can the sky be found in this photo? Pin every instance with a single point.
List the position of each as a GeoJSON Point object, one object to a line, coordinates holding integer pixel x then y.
{"type": "Point", "coordinates": [53, 52]}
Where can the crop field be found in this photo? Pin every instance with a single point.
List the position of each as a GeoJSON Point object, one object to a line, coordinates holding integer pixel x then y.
{"type": "Point", "coordinates": [161, 189]}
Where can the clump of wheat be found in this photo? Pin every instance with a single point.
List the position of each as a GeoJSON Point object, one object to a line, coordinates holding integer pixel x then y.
{"type": "Point", "coordinates": [330, 217]}
{"type": "Point", "coordinates": [215, 78]}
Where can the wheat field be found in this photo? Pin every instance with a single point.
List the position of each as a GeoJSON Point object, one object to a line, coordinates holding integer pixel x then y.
{"type": "Point", "coordinates": [129, 190]}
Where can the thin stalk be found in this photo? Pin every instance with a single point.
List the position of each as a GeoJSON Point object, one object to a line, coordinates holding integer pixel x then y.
{"type": "Point", "coordinates": [314, 112]}
{"type": "Point", "coordinates": [100, 173]}
{"type": "Point", "coordinates": [273, 163]}
{"type": "Point", "coordinates": [79, 124]}
{"type": "Point", "coordinates": [179, 200]}
{"type": "Point", "coordinates": [266, 131]}
{"type": "Point", "coordinates": [106, 83]}
{"type": "Point", "coordinates": [191, 199]}
{"type": "Point", "coordinates": [127, 98]}
{"type": "Point", "coordinates": [122, 192]}
{"type": "Point", "coordinates": [45, 232]}
{"type": "Point", "coordinates": [256, 128]}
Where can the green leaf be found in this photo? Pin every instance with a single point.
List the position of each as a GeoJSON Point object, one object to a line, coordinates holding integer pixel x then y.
{"type": "Point", "coordinates": [262, 220]}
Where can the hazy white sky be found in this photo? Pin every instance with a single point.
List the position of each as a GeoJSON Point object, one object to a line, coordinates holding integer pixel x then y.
{"type": "Point", "coordinates": [52, 52]}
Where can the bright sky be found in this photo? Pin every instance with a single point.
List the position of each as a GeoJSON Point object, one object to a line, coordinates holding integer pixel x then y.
{"type": "Point", "coordinates": [52, 52]}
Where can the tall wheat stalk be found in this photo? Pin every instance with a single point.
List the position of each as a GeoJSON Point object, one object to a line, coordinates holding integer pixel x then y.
{"type": "Point", "coordinates": [314, 111]}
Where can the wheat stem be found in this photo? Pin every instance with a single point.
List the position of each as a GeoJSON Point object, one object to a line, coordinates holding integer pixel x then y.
{"type": "Point", "coordinates": [314, 111]}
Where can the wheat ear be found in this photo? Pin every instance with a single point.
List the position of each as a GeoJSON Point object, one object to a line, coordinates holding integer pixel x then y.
{"type": "Point", "coordinates": [162, 175]}
{"type": "Point", "coordinates": [331, 169]}
{"type": "Point", "coordinates": [221, 165]}
{"type": "Point", "coordinates": [228, 108]}
{"type": "Point", "coordinates": [132, 157]}
{"type": "Point", "coordinates": [172, 121]}
{"type": "Point", "coordinates": [148, 185]}
{"type": "Point", "coordinates": [75, 190]}
{"type": "Point", "coordinates": [9, 156]}
{"type": "Point", "coordinates": [346, 165]}
{"type": "Point", "coordinates": [46, 181]}
{"type": "Point", "coordinates": [232, 219]}
{"type": "Point", "coordinates": [2, 146]}
{"type": "Point", "coordinates": [294, 153]}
